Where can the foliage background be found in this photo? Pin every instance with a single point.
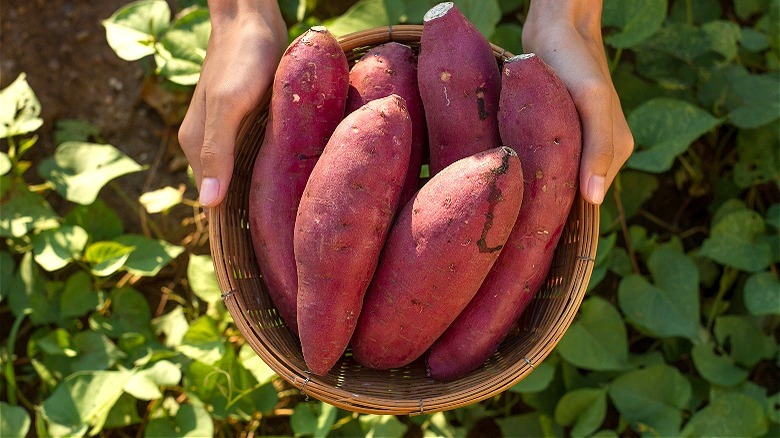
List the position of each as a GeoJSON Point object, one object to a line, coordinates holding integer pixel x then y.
{"type": "Point", "coordinates": [115, 331]}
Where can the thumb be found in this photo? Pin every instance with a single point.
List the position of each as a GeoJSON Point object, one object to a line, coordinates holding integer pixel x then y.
{"type": "Point", "coordinates": [595, 107]}
{"type": "Point", "coordinates": [216, 154]}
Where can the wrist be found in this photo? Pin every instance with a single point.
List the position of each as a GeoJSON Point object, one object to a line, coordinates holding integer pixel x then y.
{"type": "Point", "coordinates": [226, 12]}
{"type": "Point", "coordinates": [550, 17]}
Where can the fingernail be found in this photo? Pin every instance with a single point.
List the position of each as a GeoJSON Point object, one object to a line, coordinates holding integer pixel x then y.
{"type": "Point", "coordinates": [209, 189]}
{"type": "Point", "coordinates": [596, 189]}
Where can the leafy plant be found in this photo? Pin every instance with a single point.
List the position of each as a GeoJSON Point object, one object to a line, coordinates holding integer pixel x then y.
{"type": "Point", "coordinates": [113, 329]}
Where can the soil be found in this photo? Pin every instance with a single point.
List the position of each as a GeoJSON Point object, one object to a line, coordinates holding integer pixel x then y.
{"type": "Point", "coordinates": [61, 46]}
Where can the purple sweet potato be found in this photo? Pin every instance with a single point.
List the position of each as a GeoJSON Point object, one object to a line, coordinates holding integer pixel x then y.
{"type": "Point", "coordinates": [308, 101]}
{"type": "Point", "coordinates": [391, 68]}
{"type": "Point", "coordinates": [343, 219]}
{"type": "Point", "coordinates": [537, 117]}
{"type": "Point", "coordinates": [439, 251]}
{"type": "Point", "coordinates": [460, 84]}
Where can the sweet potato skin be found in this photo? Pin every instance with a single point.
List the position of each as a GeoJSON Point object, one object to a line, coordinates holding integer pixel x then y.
{"type": "Point", "coordinates": [538, 118]}
{"type": "Point", "coordinates": [460, 84]}
{"type": "Point", "coordinates": [439, 250]}
{"type": "Point", "coordinates": [309, 96]}
{"type": "Point", "coordinates": [391, 68]}
{"type": "Point", "coordinates": [343, 219]}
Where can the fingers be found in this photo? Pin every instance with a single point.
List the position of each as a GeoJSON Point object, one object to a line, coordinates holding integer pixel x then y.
{"type": "Point", "coordinates": [191, 131]}
{"type": "Point", "coordinates": [222, 120]}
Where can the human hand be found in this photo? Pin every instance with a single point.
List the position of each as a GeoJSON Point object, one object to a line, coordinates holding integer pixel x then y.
{"type": "Point", "coordinates": [247, 40]}
{"type": "Point", "coordinates": [567, 36]}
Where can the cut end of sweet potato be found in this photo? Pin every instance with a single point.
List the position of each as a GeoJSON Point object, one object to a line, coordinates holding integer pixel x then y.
{"type": "Point", "coordinates": [520, 57]}
{"type": "Point", "coordinates": [438, 11]}
{"type": "Point", "coordinates": [318, 29]}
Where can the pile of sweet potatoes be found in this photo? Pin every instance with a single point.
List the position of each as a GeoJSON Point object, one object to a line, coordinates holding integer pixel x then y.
{"type": "Point", "coordinates": [357, 251]}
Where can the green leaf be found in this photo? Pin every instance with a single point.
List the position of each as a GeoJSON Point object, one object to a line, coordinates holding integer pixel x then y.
{"type": "Point", "coordinates": [95, 352]}
{"type": "Point", "coordinates": [734, 241]}
{"type": "Point", "coordinates": [508, 36]}
{"type": "Point", "coordinates": [316, 422]}
{"type": "Point", "coordinates": [695, 11]}
{"type": "Point", "coordinates": [5, 163]}
{"type": "Point", "coordinates": [745, 9]}
{"type": "Point", "coordinates": [54, 249]}
{"type": "Point", "coordinates": [149, 256]}
{"type": "Point", "coordinates": [107, 257]}
{"type": "Point", "coordinates": [717, 369]}
{"type": "Point", "coordinates": [146, 383]}
{"type": "Point", "coordinates": [724, 37]}
{"type": "Point", "coordinates": [381, 426]}
{"type": "Point", "coordinates": [82, 400]}
{"type": "Point", "coordinates": [539, 379]}
{"type": "Point", "coordinates": [98, 219]}
{"type": "Point", "coordinates": [229, 388]}
{"type": "Point", "coordinates": [753, 40]}
{"type": "Point", "coordinates": [636, 19]}
{"type": "Point", "coordinates": [15, 421]}
{"type": "Point", "coordinates": [747, 344]}
{"type": "Point", "coordinates": [190, 420]}
{"type": "Point", "coordinates": [78, 297]}
{"type": "Point", "coordinates": [129, 313]}
{"type": "Point", "coordinates": [201, 278]}
{"type": "Point", "coordinates": [760, 100]}
{"type": "Point", "coordinates": [584, 409]}
{"type": "Point", "coordinates": [7, 268]}
{"type": "Point", "coordinates": [123, 414]}
{"type": "Point", "coordinates": [132, 30]}
{"type": "Point", "coordinates": [728, 416]}
{"type": "Point", "coordinates": [22, 211]}
{"type": "Point", "coordinates": [304, 420]}
{"type": "Point", "coordinates": [635, 188]}
{"type": "Point", "coordinates": [203, 341]}
{"type": "Point", "coordinates": [29, 293]}
{"type": "Point", "coordinates": [79, 170]}
{"type": "Point", "coordinates": [173, 325]}
{"type": "Point", "coordinates": [663, 129]}
{"type": "Point", "coordinates": [252, 362]}
{"type": "Point", "coordinates": [758, 164]}
{"type": "Point", "coordinates": [364, 14]}
{"type": "Point", "coordinates": [182, 49]}
{"type": "Point", "coordinates": [20, 111]}
{"type": "Point", "coordinates": [654, 397]}
{"type": "Point", "coordinates": [671, 306]}
{"type": "Point", "coordinates": [161, 200]}
{"type": "Point", "coordinates": [74, 130]}
{"type": "Point", "coordinates": [762, 295]}
{"type": "Point", "coordinates": [530, 425]}
{"type": "Point", "coordinates": [597, 340]}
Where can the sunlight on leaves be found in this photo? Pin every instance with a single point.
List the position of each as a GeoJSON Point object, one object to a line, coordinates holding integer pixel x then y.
{"type": "Point", "coordinates": [20, 111]}
{"type": "Point", "coordinates": [158, 201]}
{"type": "Point", "coordinates": [79, 170]}
{"type": "Point", "coordinates": [132, 30]}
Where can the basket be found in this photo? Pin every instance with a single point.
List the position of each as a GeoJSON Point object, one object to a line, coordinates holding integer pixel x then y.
{"type": "Point", "coordinates": [405, 390]}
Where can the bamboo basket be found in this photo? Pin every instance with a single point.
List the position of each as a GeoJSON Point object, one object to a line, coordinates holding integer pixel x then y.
{"type": "Point", "coordinates": [405, 390]}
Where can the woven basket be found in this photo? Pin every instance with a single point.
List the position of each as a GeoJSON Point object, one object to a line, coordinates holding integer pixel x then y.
{"type": "Point", "coordinates": [405, 390]}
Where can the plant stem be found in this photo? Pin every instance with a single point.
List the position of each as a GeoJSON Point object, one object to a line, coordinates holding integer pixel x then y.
{"type": "Point", "coordinates": [616, 60]}
{"type": "Point", "coordinates": [134, 206]}
{"type": "Point", "coordinates": [726, 282]}
{"type": "Point", "coordinates": [624, 227]}
{"type": "Point", "coordinates": [10, 374]}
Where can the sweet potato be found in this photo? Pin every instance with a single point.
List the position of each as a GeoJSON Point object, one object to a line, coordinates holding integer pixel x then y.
{"type": "Point", "coordinates": [391, 68]}
{"type": "Point", "coordinates": [439, 250]}
{"type": "Point", "coordinates": [343, 219]}
{"type": "Point", "coordinates": [538, 118]}
{"type": "Point", "coordinates": [460, 85]}
{"type": "Point", "coordinates": [308, 101]}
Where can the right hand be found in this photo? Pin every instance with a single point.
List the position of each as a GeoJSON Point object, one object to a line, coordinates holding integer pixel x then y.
{"type": "Point", "coordinates": [247, 40]}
